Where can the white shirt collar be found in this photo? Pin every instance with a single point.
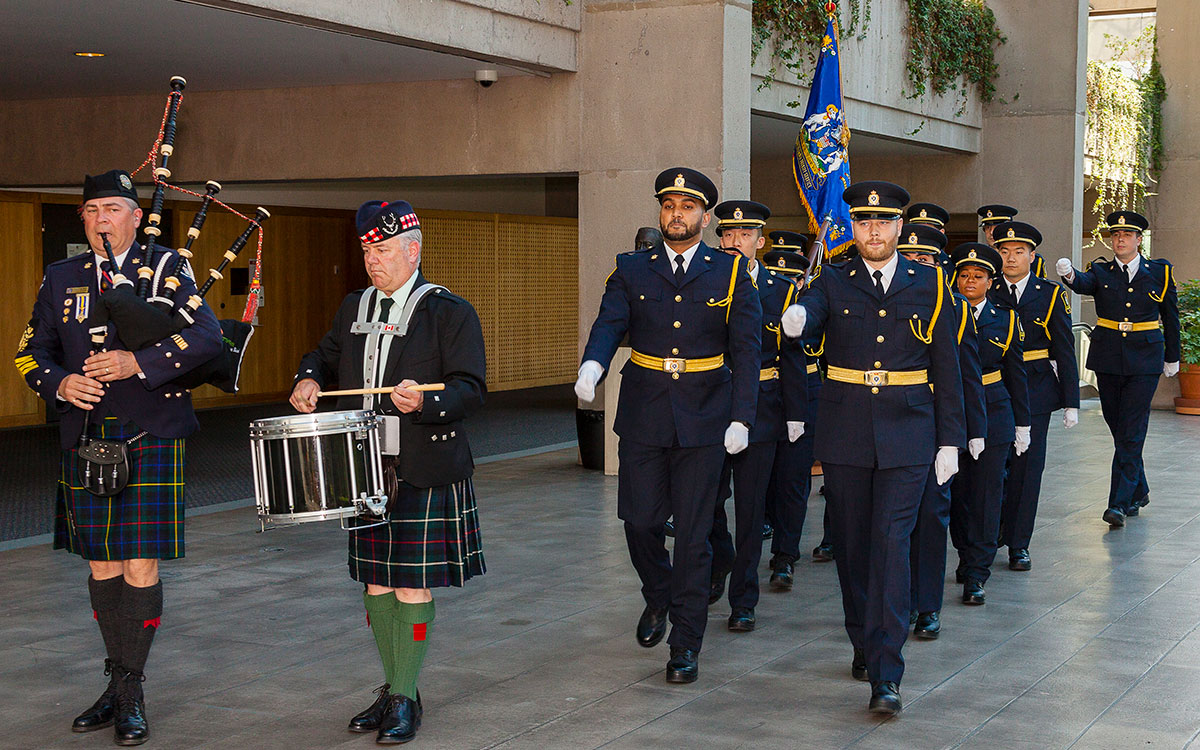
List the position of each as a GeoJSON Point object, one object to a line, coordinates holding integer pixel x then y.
{"type": "Point", "coordinates": [1020, 285]}
{"type": "Point", "coordinates": [888, 270]}
{"type": "Point", "coordinates": [1133, 265]}
{"type": "Point", "coordinates": [687, 257]}
{"type": "Point", "coordinates": [400, 296]}
{"type": "Point", "coordinates": [979, 307]}
{"type": "Point", "coordinates": [118, 257]}
{"type": "Point", "coordinates": [754, 271]}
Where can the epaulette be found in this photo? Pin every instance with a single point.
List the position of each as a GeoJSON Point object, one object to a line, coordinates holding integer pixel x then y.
{"type": "Point", "coordinates": [83, 257]}
{"type": "Point", "coordinates": [1094, 261]}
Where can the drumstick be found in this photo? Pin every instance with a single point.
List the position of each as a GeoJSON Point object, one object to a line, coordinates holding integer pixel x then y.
{"type": "Point", "coordinates": [366, 391]}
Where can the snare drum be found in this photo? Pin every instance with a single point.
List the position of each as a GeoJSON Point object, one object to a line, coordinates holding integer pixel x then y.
{"type": "Point", "coordinates": [317, 467]}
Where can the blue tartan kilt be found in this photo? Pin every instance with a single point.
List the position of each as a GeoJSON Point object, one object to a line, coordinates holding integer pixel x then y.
{"type": "Point", "coordinates": [145, 520]}
{"type": "Point", "coordinates": [430, 540]}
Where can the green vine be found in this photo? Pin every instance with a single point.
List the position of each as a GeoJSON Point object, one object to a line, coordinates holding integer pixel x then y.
{"type": "Point", "coordinates": [796, 28]}
{"type": "Point", "coordinates": [1123, 140]}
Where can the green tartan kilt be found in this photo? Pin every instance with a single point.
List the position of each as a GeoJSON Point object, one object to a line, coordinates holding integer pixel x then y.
{"type": "Point", "coordinates": [430, 540]}
{"type": "Point", "coordinates": [145, 520]}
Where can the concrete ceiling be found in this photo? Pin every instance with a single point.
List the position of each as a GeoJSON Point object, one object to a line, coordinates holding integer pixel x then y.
{"type": "Point", "coordinates": [145, 42]}
{"type": "Point", "coordinates": [771, 137]}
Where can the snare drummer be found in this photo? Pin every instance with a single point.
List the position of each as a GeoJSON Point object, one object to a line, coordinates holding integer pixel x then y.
{"type": "Point", "coordinates": [432, 536]}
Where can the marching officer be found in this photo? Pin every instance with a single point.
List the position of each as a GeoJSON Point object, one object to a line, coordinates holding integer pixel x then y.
{"type": "Point", "coordinates": [924, 243]}
{"type": "Point", "coordinates": [929, 214]}
{"type": "Point", "coordinates": [994, 214]}
{"type": "Point", "coordinates": [791, 477]}
{"type": "Point", "coordinates": [889, 328]}
{"type": "Point", "coordinates": [1136, 337]}
{"type": "Point", "coordinates": [781, 397]}
{"type": "Point", "coordinates": [1052, 373]}
{"type": "Point", "coordinates": [978, 489]}
{"type": "Point", "coordinates": [688, 395]}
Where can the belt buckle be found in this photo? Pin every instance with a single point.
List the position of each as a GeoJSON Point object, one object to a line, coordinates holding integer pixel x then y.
{"type": "Point", "coordinates": [674, 364]}
{"type": "Point", "coordinates": [1125, 326]}
{"type": "Point", "coordinates": [875, 377]}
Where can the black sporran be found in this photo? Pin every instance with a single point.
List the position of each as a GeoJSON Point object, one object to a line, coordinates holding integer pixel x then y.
{"type": "Point", "coordinates": [102, 466]}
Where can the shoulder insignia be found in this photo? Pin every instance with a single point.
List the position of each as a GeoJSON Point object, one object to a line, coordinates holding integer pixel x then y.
{"type": "Point", "coordinates": [25, 337]}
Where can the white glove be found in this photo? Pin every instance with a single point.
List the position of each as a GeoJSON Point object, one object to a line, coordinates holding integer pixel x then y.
{"type": "Point", "coordinates": [1070, 418]}
{"type": "Point", "coordinates": [945, 463]}
{"type": "Point", "coordinates": [975, 447]}
{"type": "Point", "coordinates": [1064, 268]}
{"type": "Point", "coordinates": [795, 430]}
{"type": "Point", "coordinates": [1170, 369]}
{"type": "Point", "coordinates": [793, 321]}
{"type": "Point", "coordinates": [1022, 442]}
{"type": "Point", "coordinates": [589, 375]}
{"type": "Point", "coordinates": [737, 437]}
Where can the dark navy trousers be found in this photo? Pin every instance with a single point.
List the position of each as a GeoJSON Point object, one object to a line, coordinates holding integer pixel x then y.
{"type": "Point", "coordinates": [976, 496]}
{"type": "Point", "coordinates": [787, 494]}
{"type": "Point", "coordinates": [751, 470]}
{"type": "Point", "coordinates": [1023, 487]}
{"type": "Point", "coordinates": [654, 484]}
{"type": "Point", "coordinates": [872, 513]}
{"type": "Point", "coordinates": [1125, 401]}
{"type": "Point", "coordinates": [927, 550]}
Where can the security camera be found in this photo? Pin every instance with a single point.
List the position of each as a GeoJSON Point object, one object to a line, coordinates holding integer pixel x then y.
{"type": "Point", "coordinates": [485, 77]}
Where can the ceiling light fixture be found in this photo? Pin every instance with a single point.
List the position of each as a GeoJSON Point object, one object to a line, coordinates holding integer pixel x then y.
{"type": "Point", "coordinates": [89, 54]}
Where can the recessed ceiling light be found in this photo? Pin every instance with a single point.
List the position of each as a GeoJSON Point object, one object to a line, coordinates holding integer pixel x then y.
{"type": "Point", "coordinates": [89, 54]}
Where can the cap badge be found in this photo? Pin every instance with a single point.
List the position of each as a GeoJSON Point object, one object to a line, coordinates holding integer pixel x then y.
{"type": "Point", "coordinates": [389, 224]}
{"type": "Point", "coordinates": [989, 214]}
{"type": "Point", "coordinates": [126, 182]}
{"type": "Point", "coordinates": [924, 214]}
{"type": "Point", "coordinates": [782, 263]}
{"type": "Point", "coordinates": [1011, 233]}
{"type": "Point", "coordinates": [679, 181]}
{"type": "Point", "coordinates": [778, 240]}
{"type": "Point", "coordinates": [873, 199]}
{"type": "Point", "coordinates": [1121, 219]}
{"type": "Point", "coordinates": [971, 255]}
{"type": "Point", "coordinates": [737, 213]}
{"type": "Point", "coordinates": [912, 238]}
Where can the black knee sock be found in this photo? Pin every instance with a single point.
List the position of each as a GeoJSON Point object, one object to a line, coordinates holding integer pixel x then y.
{"type": "Point", "coordinates": [106, 608]}
{"type": "Point", "coordinates": [141, 610]}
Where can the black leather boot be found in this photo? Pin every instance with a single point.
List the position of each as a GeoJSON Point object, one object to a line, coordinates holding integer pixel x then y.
{"type": "Point", "coordinates": [100, 715]}
{"type": "Point", "coordinates": [369, 720]}
{"type": "Point", "coordinates": [130, 720]}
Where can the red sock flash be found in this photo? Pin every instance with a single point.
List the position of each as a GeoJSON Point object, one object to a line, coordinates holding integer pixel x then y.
{"type": "Point", "coordinates": [419, 631]}
{"type": "Point", "coordinates": [152, 623]}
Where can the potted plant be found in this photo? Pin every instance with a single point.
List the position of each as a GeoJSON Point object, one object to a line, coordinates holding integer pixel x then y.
{"type": "Point", "coordinates": [1189, 345]}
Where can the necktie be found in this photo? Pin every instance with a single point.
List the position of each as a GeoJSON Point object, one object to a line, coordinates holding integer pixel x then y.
{"type": "Point", "coordinates": [105, 276]}
{"type": "Point", "coordinates": [679, 269]}
{"type": "Point", "coordinates": [385, 307]}
{"type": "Point", "coordinates": [878, 282]}
{"type": "Point", "coordinates": [1126, 267]}
{"type": "Point", "coordinates": [1013, 288]}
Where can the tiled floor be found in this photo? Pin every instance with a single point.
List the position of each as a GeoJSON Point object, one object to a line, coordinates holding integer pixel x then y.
{"type": "Point", "coordinates": [264, 645]}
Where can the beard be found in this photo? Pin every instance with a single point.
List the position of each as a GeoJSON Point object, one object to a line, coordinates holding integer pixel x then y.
{"type": "Point", "coordinates": [878, 253]}
{"type": "Point", "coordinates": [682, 231]}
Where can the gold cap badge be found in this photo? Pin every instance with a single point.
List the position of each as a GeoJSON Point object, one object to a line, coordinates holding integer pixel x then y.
{"type": "Point", "coordinates": [873, 199]}
{"type": "Point", "coordinates": [924, 214]}
{"type": "Point", "coordinates": [1121, 219]}
{"type": "Point", "coordinates": [737, 213]}
{"type": "Point", "coordinates": [1011, 233]}
{"type": "Point", "coordinates": [989, 214]}
{"type": "Point", "coordinates": [679, 181]}
{"type": "Point", "coordinates": [912, 238]}
{"type": "Point", "coordinates": [971, 255]}
{"type": "Point", "coordinates": [126, 182]}
{"type": "Point", "coordinates": [782, 263]}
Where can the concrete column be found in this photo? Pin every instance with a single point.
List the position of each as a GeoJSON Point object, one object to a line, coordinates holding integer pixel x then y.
{"type": "Point", "coordinates": [661, 83]}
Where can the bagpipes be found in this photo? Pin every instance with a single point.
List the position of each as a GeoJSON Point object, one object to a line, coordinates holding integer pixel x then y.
{"type": "Point", "coordinates": [146, 313]}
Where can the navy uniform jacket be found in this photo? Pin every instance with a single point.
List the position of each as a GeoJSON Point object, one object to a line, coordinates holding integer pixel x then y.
{"type": "Point", "coordinates": [1149, 297]}
{"type": "Point", "coordinates": [782, 399]}
{"type": "Point", "coordinates": [1038, 266]}
{"type": "Point", "coordinates": [444, 344]}
{"type": "Point", "coordinates": [1045, 316]}
{"type": "Point", "coordinates": [974, 403]}
{"type": "Point", "coordinates": [56, 343]}
{"type": "Point", "coordinates": [1001, 348]}
{"type": "Point", "coordinates": [715, 311]}
{"type": "Point", "coordinates": [901, 425]}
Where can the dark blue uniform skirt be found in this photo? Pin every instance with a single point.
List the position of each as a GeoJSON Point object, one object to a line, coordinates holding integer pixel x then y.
{"type": "Point", "coordinates": [145, 520]}
{"type": "Point", "coordinates": [431, 540]}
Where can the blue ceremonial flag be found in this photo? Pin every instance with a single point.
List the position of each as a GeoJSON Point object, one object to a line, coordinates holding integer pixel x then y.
{"type": "Point", "coordinates": [821, 160]}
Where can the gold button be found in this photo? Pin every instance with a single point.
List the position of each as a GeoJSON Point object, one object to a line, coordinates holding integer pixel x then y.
{"type": "Point", "coordinates": [1123, 335]}
{"type": "Point", "coordinates": [879, 339]}
{"type": "Point", "coordinates": [641, 296]}
{"type": "Point", "coordinates": [846, 311]}
{"type": "Point", "coordinates": [1131, 289]}
{"type": "Point", "coordinates": [874, 389]}
{"type": "Point", "coordinates": [675, 376]}
{"type": "Point", "coordinates": [883, 313]}
{"type": "Point", "coordinates": [177, 364]}
{"type": "Point", "coordinates": [878, 364]}
{"type": "Point", "coordinates": [168, 355]}
{"type": "Point", "coordinates": [1129, 304]}
{"type": "Point", "coordinates": [674, 350]}
{"type": "Point", "coordinates": [166, 395]}
{"type": "Point", "coordinates": [711, 300]}
{"type": "Point", "coordinates": [914, 316]}
{"type": "Point", "coordinates": [679, 298]}
{"type": "Point", "coordinates": [677, 324]}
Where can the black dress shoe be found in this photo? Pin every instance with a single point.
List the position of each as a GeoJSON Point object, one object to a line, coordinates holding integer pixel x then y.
{"type": "Point", "coordinates": [928, 626]}
{"type": "Point", "coordinates": [823, 553]}
{"type": "Point", "coordinates": [401, 720]}
{"type": "Point", "coordinates": [100, 715]}
{"type": "Point", "coordinates": [652, 626]}
{"type": "Point", "coordinates": [1142, 501]}
{"type": "Point", "coordinates": [369, 720]}
{"type": "Point", "coordinates": [742, 620]}
{"type": "Point", "coordinates": [1018, 559]}
{"type": "Point", "coordinates": [129, 722]}
{"type": "Point", "coordinates": [768, 531]}
{"type": "Point", "coordinates": [1131, 511]}
{"type": "Point", "coordinates": [973, 594]}
{"type": "Point", "coordinates": [684, 665]}
{"type": "Point", "coordinates": [781, 574]}
{"type": "Point", "coordinates": [1114, 518]}
{"type": "Point", "coordinates": [669, 528]}
{"type": "Point", "coordinates": [885, 698]}
{"type": "Point", "coordinates": [716, 586]}
{"type": "Point", "coordinates": [858, 665]}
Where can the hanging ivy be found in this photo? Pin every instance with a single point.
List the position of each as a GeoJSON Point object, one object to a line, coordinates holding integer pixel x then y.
{"type": "Point", "coordinates": [795, 28]}
{"type": "Point", "coordinates": [1123, 140]}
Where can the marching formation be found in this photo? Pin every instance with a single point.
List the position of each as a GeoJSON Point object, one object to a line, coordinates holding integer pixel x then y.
{"type": "Point", "coordinates": [923, 381]}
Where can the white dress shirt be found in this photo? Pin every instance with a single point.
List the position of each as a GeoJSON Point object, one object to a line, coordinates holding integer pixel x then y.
{"type": "Point", "coordinates": [687, 257]}
{"type": "Point", "coordinates": [1020, 285]}
{"type": "Point", "coordinates": [398, 297]}
{"type": "Point", "coordinates": [888, 270]}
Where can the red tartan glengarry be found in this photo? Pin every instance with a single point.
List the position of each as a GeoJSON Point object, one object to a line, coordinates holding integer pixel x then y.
{"type": "Point", "coordinates": [407, 222]}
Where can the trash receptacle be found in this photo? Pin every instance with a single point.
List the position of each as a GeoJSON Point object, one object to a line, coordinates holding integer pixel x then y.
{"type": "Point", "coordinates": [589, 424]}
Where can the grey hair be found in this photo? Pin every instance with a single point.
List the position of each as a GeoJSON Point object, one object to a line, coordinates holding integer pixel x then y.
{"type": "Point", "coordinates": [412, 235]}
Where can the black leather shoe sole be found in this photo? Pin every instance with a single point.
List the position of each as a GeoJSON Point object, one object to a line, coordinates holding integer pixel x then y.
{"type": "Point", "coordinates": [741, 626]}
{"type": "Point", "coordinates": [1132, 511]}
{"type": "Point", "coordinates": [131, 741]}
{"type": "Point", "coordinates": [884, 705]}
{"type": "Point", "coordinates": [396, 739]}
{"type": "Point", "coordinates": [780, 583]}
{"type": "Point", "coordinates": [90, 727]}
{"type": "Point", "coordinates": [1114, 518]}
{"type": "Point", "coordinates": [682, 676]}
{"type": "Point", "coordinates": [927, 635]}
{"type": "Point", "coordinates": [823, 554]}
{"type": "Point", "coordinates": [974, 600]}
{"type": "Point", "coordinates": [1019, 565]}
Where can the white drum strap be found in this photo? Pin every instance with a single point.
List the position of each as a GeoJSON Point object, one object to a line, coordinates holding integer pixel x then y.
{"type": "Point", "coordinates": [373, 368]}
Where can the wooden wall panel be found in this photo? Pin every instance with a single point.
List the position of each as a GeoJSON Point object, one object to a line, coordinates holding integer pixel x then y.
{"type": "Point", "coordinates": [20, 238]}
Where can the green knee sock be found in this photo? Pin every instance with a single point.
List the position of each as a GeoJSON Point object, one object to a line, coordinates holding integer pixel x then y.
{"type": "Point", "coordinates": [381, 612]}
{"type": "Point", "coordinates": [410, 641]}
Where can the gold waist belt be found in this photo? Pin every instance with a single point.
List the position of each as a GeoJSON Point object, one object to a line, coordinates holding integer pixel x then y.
{"type": "Point", "coordinates": [877, 377]}
{"type": "Point", "coordinates": [769, 373]}
{"type": "Point", "coordinates": [812, 368]}
{"type": "Point", "coordinates": [676, 365]}
{"type": "Point", "coordinates": [1034, 354]}
{"type": "Point", "coordinates": [991, 377]}
{"type": "Point", "coordinates": [1148, 325]}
